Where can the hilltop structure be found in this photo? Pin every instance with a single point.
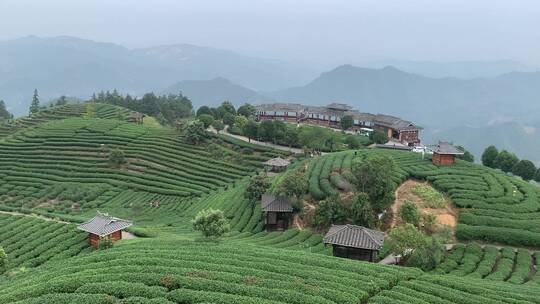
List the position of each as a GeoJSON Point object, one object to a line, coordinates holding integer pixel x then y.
{"type": "Point", "coordinates": [444, 153]}
{"type": "Point", "coordinates": [104, 226]}
{"type": "Point", "coordinates": [277, 212]}
{"type": "Point", "coordinates": [331, 115]}
{"type": "Point", "coordinates": [354, 242]}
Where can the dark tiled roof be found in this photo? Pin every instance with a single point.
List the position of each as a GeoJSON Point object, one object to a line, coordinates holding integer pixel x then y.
{"type": "Point", "coordinates": [270, 203]}
{"type": "Point", "coordinates": [339, 106]}
{"type": "Point", "coordinates": [135, 115]}
{"type": "Point", "coordinates": [339, 110]}
{"type": "Point", "coordinates": [277, 162]}
{"type": "Point", "coordinates": [445, 148]}
{"type": "Point", "coordinates": [103, 224]}
{"type": "Point", "coordinates": [354, 236]}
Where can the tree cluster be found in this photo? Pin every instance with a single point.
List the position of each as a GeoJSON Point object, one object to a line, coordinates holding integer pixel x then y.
{"type": "Point", "coordinates": [509, 162]}
{"type": "Point", "coordinates": [4, 114]}
{"type": "Point", "coordinates": [167, 109]}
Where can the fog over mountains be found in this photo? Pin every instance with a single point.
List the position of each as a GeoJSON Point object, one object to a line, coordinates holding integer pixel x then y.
{"type": "Point", "coordinates": [472, 103]}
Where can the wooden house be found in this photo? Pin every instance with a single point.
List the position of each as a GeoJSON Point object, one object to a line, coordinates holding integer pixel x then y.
{"type": "Point", "coordinates": [444, 153]}
{"type": "Point", "coordinates": [277, 164]}
{"type": "Point", "coordinates": [277, 212]}
{"type": "Point", "coordinates": [354, 242]}
{"type": "Point", "coordinates": [104, 226]}
{"type": "Point", "coordinates": [135, 117]}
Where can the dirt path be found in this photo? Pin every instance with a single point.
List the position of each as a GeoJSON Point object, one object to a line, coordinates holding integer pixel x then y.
{"type": "Point", "coordinates": [445, 216]}
{"type": "Point", "coordinates": [35, 216]}
{"type": "Point", "coordinates": [256, 142]}
{"type": "Point", "coordinates": [309, 210]}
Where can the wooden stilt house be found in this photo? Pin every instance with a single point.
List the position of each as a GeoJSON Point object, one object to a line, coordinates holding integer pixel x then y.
{"type": "Point", "coordinates": [104, 226]}
{"type": "Point", "coordinates": [277, 212]}
{"type": "Point", "coordinates": [444, 153]}
{"type": "Point", "coordinates": [354, 242]}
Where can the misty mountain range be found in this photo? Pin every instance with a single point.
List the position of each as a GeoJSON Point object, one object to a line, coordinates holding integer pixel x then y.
{"type": "Point", "coordinates": [471, 103]}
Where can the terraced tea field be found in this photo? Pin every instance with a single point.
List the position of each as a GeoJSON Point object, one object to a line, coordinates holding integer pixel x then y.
{"type": "Point", "coordinates": [491, 263]}
{"type": "Point", "coordinates": [495, 207]}
{"type": "Point", "coordinates": [31, 241]}
{"type": "Point", "coordinates": [65, 161]}
{"type": "Point", "coordinates": [192, 272]}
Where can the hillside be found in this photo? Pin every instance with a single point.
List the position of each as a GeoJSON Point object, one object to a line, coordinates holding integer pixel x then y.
{"type": "Point", "coordinates": [494, 207]}
{"type": "Point", "coordinates": [188, 272]}
{"type": "Point", "coordinates": [55, 171]}
{"type": "Point", "coordinates": [213, 92]}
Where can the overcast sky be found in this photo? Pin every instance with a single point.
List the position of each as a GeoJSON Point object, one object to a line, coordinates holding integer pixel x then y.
{"type": "Point", "coordinates": [309, 31]}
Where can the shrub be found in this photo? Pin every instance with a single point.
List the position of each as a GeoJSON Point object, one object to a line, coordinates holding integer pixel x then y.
{"type": "Point", "coordinates": [105, 244]}
{"type": "Point", "coordinates": [212, 223]}
{"type": "Point", "coordinates": [409, 213]}
{"type": "Point", "coordinates": [116, 157]}
{"type": "Point", "coordinates": [3, 259]}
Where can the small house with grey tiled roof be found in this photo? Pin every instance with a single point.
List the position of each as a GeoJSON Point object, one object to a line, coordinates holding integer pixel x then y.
{"type": "Point", "coordinates": [277, 164]}
{"type": "Point", "coordinates": [277, 212]}
{"type": "Point", "coordinates": [444, 153]}
{"type": "Point", "coordinates": [104, 226]}
{"type": "Point", "coordinates": [354, 242]}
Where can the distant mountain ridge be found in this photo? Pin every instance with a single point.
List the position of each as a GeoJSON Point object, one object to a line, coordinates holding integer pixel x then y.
{"type": "Point", "coordinates": [78, 67]}
{"type": "Point", "coordinates": [214, 91]}
{"type": "Point", "coordinates": [438, 102]}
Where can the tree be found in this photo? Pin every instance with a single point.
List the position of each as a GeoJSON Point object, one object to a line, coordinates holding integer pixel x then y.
{"type": "Point", "coordinates": [330, 211]}
{"type": "Point", "coordinates": [291, 135]}
{"type": "Point", "coordinates": [346, 122]}
{"type": "Point", "coordinates": [409, 213]}
{"type": "Point", "coordinates": [333, 140]}
{"type": "Point", "coordinates": [361, 211]}
{"type": "Point", "coordinates": [313, 137]}
{"type": "Point", "coordinates": [267, 130]}
{"type": "Point", "coordinates": [3, 259]}
{"type": "Point", "coordinates": [218, 125]}
{"type": "Point", "coordinates": [4, 114]}
{"type": "Point", "coordinates": [228, 119]}
{"type": "Point", "coordinates": [294, 183]}
{"type": "Point", "coordinates": [466, 156]}
{"type": "Point", "coordinates": [489, 156]}
{"type": "Point", "coordinates": [404, 239]}
{"type": "Point", "coordinates": [195, 133]}
{"type": "Point", "coordinates": [204, 110]}
{"type": "Point", "coordinates": [352, 142]}
{"type": "Point", "coordinates": [240, 121]}
{"type": "Point", "coordinates": [212, 223]}
{"type": "Point", "coordinates": [373, 177]}
{"type": "Point", "coordinates": [537, 175]}
{"type": "Point", "coordinates": [506, 161]}
{"type": "Point", "coordinates": [428, 256]}
{"type": "Point", "coordinates": [258, 185]}
{"type": "Point", "coordinates": [378, 137]}
{"type": "Point", "coordinates": [116, 157]}
{"type": "Point", "coordinates": [228, 107]}
{"type": "Point", "coordinates": [246, 110]}
{"type": "Point", "coordinates": [206, 119]}
{"type": "Point", "coordinates": [61, 101]}
{"type": "Point", "coordinates": [525, 168]}
{"type": "Point", "coordinates": [34, 106]}
{"type": "Point", "coordinates": [251, 130]}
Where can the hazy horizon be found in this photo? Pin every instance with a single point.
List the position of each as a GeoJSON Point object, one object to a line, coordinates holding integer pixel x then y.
{"type": "Point", "coordinates": [317, 33]}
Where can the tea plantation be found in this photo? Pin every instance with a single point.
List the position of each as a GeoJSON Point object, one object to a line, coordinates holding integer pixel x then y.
{"type": "Point", "coordinates": [55, 171]}
{"type": "Point", "coordinates": [158, 271]}
{"type": "Point", "coordinates": [495, 207]}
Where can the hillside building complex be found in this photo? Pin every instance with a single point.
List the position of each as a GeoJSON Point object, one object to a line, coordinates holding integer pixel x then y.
{"type": "Point", "coordinates": [396, 128]}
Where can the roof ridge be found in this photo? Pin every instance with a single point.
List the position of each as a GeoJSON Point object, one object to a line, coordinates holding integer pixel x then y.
{"type": "Point", "coordinates": [337, 231]}
{"type": "Point", "coordinates": [368, 232]}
